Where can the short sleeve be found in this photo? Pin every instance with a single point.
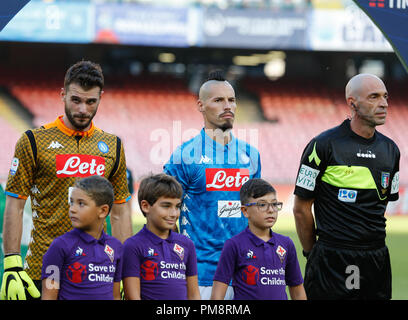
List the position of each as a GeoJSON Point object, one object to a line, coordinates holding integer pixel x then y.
{"type": "Point", "coordinates": [394, 192]}
{"type": "Point", "coordinates": [192, 261]}
{"type": "Point", "coordinates": [119, 180]}
{"type": "Point", "coordinates": [293, 274]}
{"type": "Point", "coordinates": [131, 260]}
{"type": "Point", "coordinates": [53, 260]}
{"type": "Point", "coordinates": [174, 167]}
{"type": "Point", "coordinates": [312, 166]}
{"type": "Point", "coordinates": [226, 263]}
{"type": "Point", "coordinates": [119, 265]}
{"type": "Point", "coordinates": [21, 174]}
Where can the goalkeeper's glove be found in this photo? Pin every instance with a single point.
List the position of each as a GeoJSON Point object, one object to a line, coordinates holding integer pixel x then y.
{"type": "Point", "coordinates": [122, 291]}
{"type": "Point", "coordinates": [16, 281]}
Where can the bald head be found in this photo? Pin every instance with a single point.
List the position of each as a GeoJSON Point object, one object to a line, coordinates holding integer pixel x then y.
{"type": "Point", "coordinates": [359, 84]}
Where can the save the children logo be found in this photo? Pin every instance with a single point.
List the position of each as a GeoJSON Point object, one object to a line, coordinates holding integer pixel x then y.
{"type": "Point", "coordinates": [149, 270]}
{"type": "Point", "coordinates": [250, 275]}
{"type": "Point", "coordinates": [76, 272]}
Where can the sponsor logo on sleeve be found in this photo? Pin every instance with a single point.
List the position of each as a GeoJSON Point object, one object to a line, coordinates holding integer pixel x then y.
{"type": "Point", "coordinates": [307, 177]}
{"type": "Point", "coordinates": [395, 183]}
{"type": "Point", "coordinates": [14, 166]}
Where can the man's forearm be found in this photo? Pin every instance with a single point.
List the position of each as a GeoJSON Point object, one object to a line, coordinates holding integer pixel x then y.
{"type": "Point", "coordinates": [305, 225]}
{"type": "Point", "coordinates": [121, 222]}
{"type": "Point", "coordinates": [13, 225]}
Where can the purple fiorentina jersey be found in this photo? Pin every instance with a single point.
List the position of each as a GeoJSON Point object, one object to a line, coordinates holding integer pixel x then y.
{"type": "Point", "coordinates": [259, 270]}
{"type": "Point", "coordinates": [161, 264]}
{"type": "Point", "coordinates": [86, 267]}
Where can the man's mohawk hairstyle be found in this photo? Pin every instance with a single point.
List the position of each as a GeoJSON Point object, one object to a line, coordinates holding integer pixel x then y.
{"type": "Point", "coordinates": [217, 75]}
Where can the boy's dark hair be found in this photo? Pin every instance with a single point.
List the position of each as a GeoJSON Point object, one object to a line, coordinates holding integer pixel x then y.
{"type": "Point", "coordinates": [158, 185]}
{"type": "Point", "coordinates": [255, 188]}
{"type": "Point", "coordinates": [86, 74]}
{"type": "Point", "coordinates": [217, 75]}
{"type": "Point", "coordinates": [98, 188]}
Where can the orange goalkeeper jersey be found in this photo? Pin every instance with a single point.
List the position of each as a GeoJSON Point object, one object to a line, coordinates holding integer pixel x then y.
{"type": "Point", "coordinates": [46, 163]}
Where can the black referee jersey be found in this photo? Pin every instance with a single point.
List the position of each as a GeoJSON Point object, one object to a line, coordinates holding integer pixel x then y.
{"type": "Point", "coordinates": [351, 179]}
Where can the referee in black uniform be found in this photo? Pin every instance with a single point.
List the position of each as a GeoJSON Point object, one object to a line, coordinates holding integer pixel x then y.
{"type": "Point", "coordinates": [348, 173]}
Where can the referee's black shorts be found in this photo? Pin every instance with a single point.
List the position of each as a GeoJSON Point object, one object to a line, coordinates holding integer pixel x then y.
{"type": "Point", "coordinates": [352, 273]}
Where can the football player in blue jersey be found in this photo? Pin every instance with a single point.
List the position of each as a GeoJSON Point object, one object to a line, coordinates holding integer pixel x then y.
{"type": "Point", "coordinates": [212, 167]}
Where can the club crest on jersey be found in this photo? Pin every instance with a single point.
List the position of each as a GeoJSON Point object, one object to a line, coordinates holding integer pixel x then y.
{"type": "Point", "coordinates": [179, 250]}
{"type": "Point", "coordinates": [110, 252]}
{"type": "Point", "coordinates": [103, 147]}
{"type": "Point", "coordinates": [281, 252]}
{"type": "Point", "coordinates": [385, 179]}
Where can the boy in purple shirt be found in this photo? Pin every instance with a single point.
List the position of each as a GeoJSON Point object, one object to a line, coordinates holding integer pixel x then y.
{"type": "Point", "coordinates": [85, 263]}
{"type": "Point", "coordinates": [260, 262]}
{"type": "Point", "coordinates": [158, 263]}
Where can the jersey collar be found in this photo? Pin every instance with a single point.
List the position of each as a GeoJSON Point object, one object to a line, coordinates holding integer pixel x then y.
{"type": "Point", "coordinates": [214, 144]}
{"type": "Point", "coordinates": [62, 126]}
{"type": "Point", "coordinates": [347, 127]}
{"type": "Point", "coordinates": [155, 239]}
{"type": "Point", "coordinates": [88, 238]}
{"type": "Point", "coordinates": [258, 241]}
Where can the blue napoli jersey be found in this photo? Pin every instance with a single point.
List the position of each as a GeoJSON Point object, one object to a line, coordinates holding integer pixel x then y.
{"type": "Point", "coordinates": [211, 175]}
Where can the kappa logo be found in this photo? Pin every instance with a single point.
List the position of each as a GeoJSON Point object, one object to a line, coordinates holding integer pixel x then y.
{"type": "Point", "coordinates": [205, 159]}
{"type": "Point", "coordinates": [55, 145]}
